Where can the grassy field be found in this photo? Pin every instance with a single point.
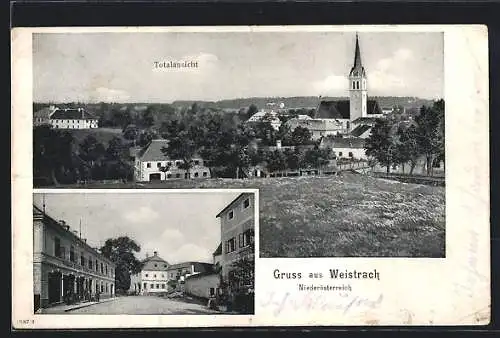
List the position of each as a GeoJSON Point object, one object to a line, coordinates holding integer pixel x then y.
{"type": "Point", "coordinates": [339, 216]}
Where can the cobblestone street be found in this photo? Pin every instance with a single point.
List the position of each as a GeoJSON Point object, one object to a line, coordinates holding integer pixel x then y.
{"type": "Point", "coordinates": [145, 305]}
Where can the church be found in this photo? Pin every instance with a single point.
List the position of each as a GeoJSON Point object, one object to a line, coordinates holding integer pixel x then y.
{"type": "Point", "coordinates": [350, 118]}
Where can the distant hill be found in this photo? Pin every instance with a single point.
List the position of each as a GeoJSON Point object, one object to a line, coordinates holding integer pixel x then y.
{"type": "Point", "coordinates": [300, 102]}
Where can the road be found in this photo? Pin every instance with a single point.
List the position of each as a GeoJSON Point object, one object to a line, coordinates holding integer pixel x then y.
{"type": "Point", "coordinates": [145, 305]}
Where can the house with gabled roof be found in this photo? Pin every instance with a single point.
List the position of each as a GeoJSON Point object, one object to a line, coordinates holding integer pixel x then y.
{"type": "Point", "coordinates": [152, 278]}
{"type": "Point", "coordinates": [151, 164]}
{"type": "Point", "coordinates": [66, 118]}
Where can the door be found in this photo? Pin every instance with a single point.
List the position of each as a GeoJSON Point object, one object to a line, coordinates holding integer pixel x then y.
{"type": "Point", "coordinates": [155, 177]}
{"type": "Point", "coordinates": [54, 287]}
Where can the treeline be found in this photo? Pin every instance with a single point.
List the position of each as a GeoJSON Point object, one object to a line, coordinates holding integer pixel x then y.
{"type": "Point", "coordinates": [393, 142]}
{"type": "Point", "coordinates": [58, 160]}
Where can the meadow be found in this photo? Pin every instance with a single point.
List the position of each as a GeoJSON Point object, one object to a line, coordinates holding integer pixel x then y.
{"type": "Point", "coordinates": [349, 215]}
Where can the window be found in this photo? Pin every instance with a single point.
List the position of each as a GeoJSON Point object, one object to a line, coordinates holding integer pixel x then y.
{"type": "Point", "coordinates": [177, 175]}
{"type": "Point", "coordinates": [357, 84]}
{"type": "Point", "coordinates": [152, 286]}
{"type": "Point", "coordinates": [196, 174]}
{"type": "Point", "coordinates": [353, 85]}
{"type": "Point", "coordinates": [102, 268]}
{"type": "Point", "coordinates": [157, 286]}
{"type": "Point", "coordinates": [57, 247]}
{"type": "Point", "coordinates": [156, 265]}
{"type": "Point", "coordinates": [246, 203]}
{"type": "Point", "coordinates": [248, 237]}
{"type": "Point", "coordinates": [154, 276]}
{"type": "Point", "coordinates": [350, 154]}
{"type": "Point", "coordinates": [169, 163]}
{"type": "Point", "coordinates": [158, 164]}
{"type": "Point", "coordinates": [178, 163]}
{"type": "Point", "coordinates": [340, 153]}
{"type": "Point", "coordinates": [240, 241]}
{"type": "Point", "coordinates": [231, 245]}
{"type": "Point", "coordinates": [212, 292]}
{"type": "Point", "coordinates": [146, 275]}
{"type": "Point", "coordinates": [148, 165]}
{"type": "Point", "coordinates": [163, 286]}
{"type": "Point", "coordinates": [196, 162]}
{"type": "Point", "coordinates": [90, 262]}
{"type": "Point", "coordinates": [96, 265]}
{"type": "Point", "coordinates": [204, 174]}
{"type": "Point", "coordinates": [72, 254]}
{"type": "Point", "coordinates": [102, 288]}
{"type": "Point", "coordinates": [106, 269]}
{"type": "Point", "coordinates": [230, 215]}
{"type": "Point", "coordinates": [169, 175]}
{"type": "Point", "coordinates": [164, 265]}
{"type": "Point", "coordinates": [82, 260]}
{"type": "Point", "coordinates": [145, 286]}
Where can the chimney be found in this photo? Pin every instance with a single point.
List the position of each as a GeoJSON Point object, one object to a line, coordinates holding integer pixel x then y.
{"type": "Point", "coordinates": [155, 253]}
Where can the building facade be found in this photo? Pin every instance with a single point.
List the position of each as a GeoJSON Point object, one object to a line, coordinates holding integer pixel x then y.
{"type": "Point", "coordinates": [65, 266]}
{"type": "Point", "coordinates": [237, 233]}
{"type": "Point", "coordinates": [180, 271]}
{"type": "Point", "coordinates": [152, 279]}
{"type": "Point", "coordinates": [151, 164]}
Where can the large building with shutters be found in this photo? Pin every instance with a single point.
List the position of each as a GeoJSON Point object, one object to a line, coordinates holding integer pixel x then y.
{"type": "Point", "coordinates": [65, 266]}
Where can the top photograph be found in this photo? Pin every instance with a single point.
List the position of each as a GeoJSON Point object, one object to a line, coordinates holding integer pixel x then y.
{"type": "Point", "coordinates": [330, 126]}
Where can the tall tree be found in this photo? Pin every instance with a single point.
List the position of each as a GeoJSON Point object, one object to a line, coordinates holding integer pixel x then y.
{"type": "Point", "coordinates": [430, 132]}
{"type": "Point", "coordinates": [121, 251]}
{"type": "Point", "coordinates": [52, 154]}
{"type": "Point", "coordinates": [380, 145]}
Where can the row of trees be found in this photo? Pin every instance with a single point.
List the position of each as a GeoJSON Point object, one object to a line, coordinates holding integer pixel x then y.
{"type": "Point", "coordinates": [393, 142]}
{"type": "Point", "coordinates": [58, 158]}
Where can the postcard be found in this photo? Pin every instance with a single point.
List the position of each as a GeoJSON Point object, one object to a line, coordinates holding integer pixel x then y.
{"type": "Point", "coordinates": [235, 176]}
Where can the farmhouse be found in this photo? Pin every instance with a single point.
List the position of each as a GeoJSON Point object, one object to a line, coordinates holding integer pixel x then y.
{"type": "Point", "coordinates": [352, 148]}
{"type": "Point", "coordinates": [152, 278]}
{"type": "Point", "coordinates": [151, 164]}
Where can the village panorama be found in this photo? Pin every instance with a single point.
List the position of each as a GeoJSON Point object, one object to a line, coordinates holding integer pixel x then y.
{"type": "Point", "coordinates": [349, 176]}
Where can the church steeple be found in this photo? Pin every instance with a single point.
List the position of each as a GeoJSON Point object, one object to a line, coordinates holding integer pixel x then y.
{"type": "Point", "coordinates": [357, 69]}
{"type": "Point", "coordinates": [357, 54]}
{"type": "Point", "coordinates": [357, 86]}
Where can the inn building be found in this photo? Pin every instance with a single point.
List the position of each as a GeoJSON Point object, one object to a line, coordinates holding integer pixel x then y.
{"type": "Point", "coordinates": [65, 266]}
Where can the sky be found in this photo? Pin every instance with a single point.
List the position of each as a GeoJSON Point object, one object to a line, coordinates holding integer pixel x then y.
{"type": "Point", "coordinates": [179, 226]}
{"type": "Point", "coordinates": [120, 67]}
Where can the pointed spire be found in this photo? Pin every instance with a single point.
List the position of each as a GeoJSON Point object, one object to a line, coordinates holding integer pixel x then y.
{"type": "Point", "coordinates": [357, 54]}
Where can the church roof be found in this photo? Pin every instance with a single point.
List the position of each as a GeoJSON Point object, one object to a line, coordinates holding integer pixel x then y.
{"type": "Point", "coordinates": [333, 110]}
{"type": "Point", "coordinates": [341, 109]}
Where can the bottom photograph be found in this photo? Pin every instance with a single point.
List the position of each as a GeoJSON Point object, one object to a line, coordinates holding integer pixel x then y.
{"type": "Point", "coordinates": [144, 252]}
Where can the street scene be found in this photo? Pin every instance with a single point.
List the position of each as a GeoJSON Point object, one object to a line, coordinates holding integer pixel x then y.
{"type": "Point", "coordinates": [99, 253]}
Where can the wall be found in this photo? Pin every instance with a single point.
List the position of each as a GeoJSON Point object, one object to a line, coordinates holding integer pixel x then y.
{"type": "Point", "coordinates": [200, 286]}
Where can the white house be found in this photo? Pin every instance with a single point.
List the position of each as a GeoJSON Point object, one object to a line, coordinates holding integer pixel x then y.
{"type": "Point", "coordinates": [352, 147]}
{"type": "Point", "coordinates": [68, 118]}
{"type": "Point", "coordinates": [151, 164]}
{"type": "Point", "coordinates": [152, 278]}
{"type": "Point", "coordinates": [319, 127]}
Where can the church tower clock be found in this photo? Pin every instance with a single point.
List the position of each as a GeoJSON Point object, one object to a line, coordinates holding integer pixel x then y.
{"type": "Point", "coordinates": [357, 87]}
